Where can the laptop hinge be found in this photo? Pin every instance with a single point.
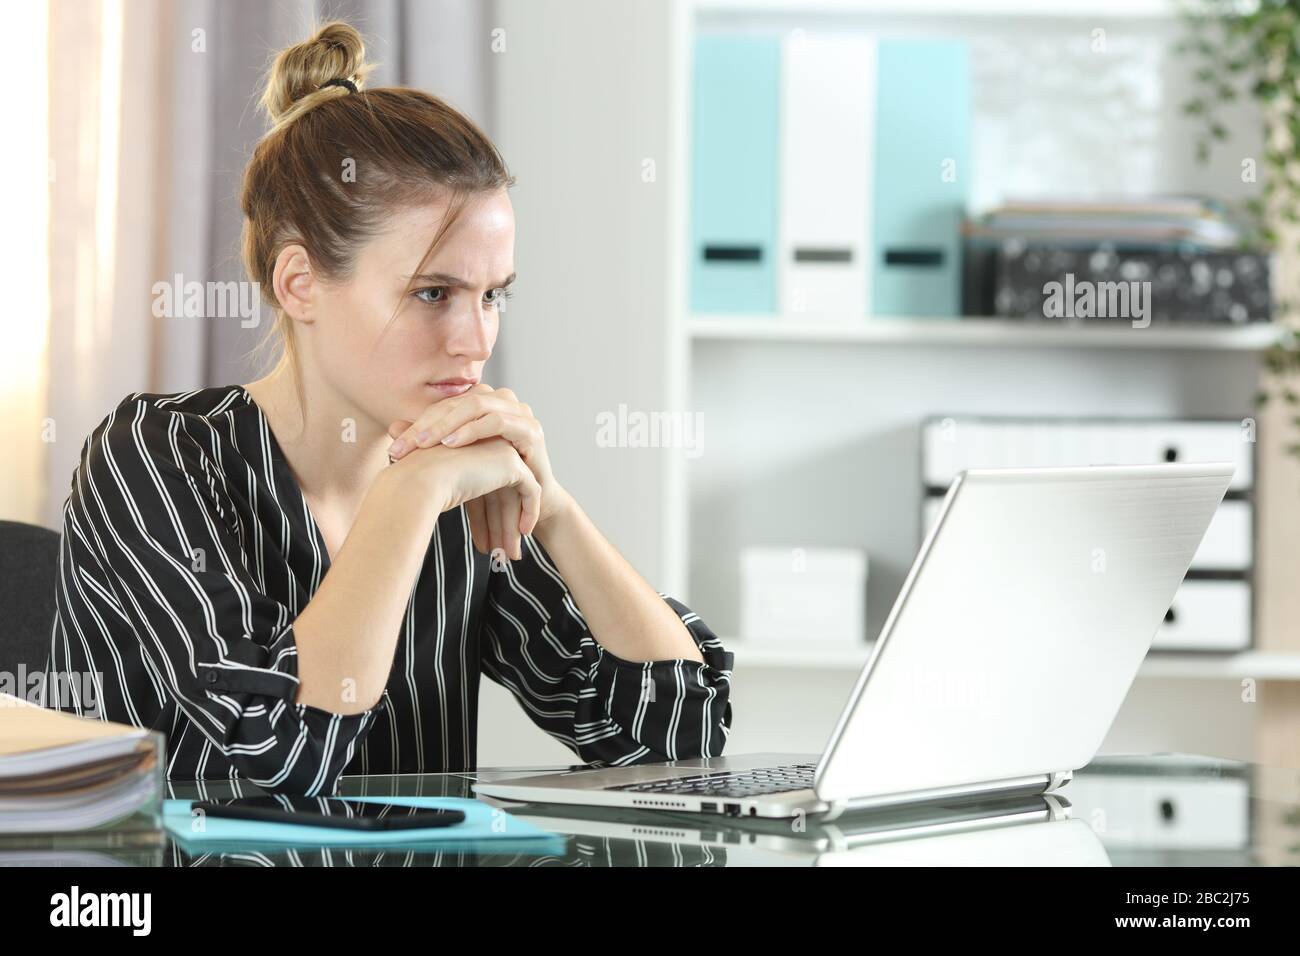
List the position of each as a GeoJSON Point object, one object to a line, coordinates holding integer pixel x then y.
{"type": "Point", "coordinates": [834, 809]}
{"type": "Point", "coordinates": [1058, 780]}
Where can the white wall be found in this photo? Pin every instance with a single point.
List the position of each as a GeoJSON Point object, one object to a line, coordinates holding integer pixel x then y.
{"type": "Point", "coordinates": [582, 102]}
{"type": "Point", "coordinates": [581, 106]}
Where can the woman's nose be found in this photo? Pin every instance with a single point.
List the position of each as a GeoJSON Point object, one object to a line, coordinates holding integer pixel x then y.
{"type": "Point", "coordinates": [471, 335]}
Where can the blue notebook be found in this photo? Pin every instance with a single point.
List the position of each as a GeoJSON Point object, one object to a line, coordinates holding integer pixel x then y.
{"type": "Point", "coordinates": [484, 829]}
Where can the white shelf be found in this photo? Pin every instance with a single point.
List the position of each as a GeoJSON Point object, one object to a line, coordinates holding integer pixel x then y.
{"type": "Point", "coordinates": [1260, 665]}
{"type": "Point", "coordinates": [1092, 10]}
{"type": "Point", "coordinates": [1159, 665]}
{"type": "Point", "coordinates": [977, 332]}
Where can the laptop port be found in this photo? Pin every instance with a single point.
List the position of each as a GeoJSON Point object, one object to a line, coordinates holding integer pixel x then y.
{"type": "Point", "coordinates": [708, 808]}
{"type": "Point", "coordinates": [732, 809]}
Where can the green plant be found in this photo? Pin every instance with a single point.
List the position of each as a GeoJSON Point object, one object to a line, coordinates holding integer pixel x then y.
{"type": "Point", "coordinates": [1254, 46]}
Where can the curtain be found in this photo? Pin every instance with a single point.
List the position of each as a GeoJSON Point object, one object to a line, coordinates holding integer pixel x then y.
{"type": "Point", "coordinates": [104, 195]}
{"type": "Point", "coordinates": [26, 263]}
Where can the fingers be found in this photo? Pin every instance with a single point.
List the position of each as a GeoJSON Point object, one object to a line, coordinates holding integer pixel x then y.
{"type": "Point", "coordinates": [493, 512]}
{"type": "Point", "coordinates": [508, 504]}
{"type": "Point", "coordinates": [452, 414]}
{"type": "Point", "coordinates": [530, 503]}
{"type": "Point", "coordinates": [478, 526]}
{"type": "Point", "coordinates": [502, 518]}
{"type": "Point", "coordinates": [525, 411]}
{"type": "Point", "coordinates": [405, 437]}
{"type": "Point", "coordinates": [524, 433]}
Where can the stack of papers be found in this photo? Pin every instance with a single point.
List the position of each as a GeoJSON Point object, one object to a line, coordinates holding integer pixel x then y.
{"type": "Point", "coordinates": [61, 773]}
{"type": "Point", "coordinates": [1151, 221]}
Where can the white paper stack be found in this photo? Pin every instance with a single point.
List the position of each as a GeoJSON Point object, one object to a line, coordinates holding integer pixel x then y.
{"type": "Point", "coordinates": [62, 773]}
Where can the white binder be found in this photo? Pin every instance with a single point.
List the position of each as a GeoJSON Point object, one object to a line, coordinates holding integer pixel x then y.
{"type": "Point", "coordinates": [828, 115]}
{"type": "Point", "coordinates": [1021, 443]}
{"type": "Point", "coordinates": [1207, 616]}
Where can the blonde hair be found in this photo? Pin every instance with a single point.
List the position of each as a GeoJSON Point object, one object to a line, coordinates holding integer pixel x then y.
{"type": "Point", "coordinates": [404, 146]}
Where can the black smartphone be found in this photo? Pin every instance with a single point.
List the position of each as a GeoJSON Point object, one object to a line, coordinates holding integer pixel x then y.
{"type": "Point", "coordinates": [330, 812]}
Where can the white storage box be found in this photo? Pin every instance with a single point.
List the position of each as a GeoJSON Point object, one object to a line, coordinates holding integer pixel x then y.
{"type": "Point", "coordinates": [1153, 812]}
{"type": "Point", "coordinates": [803, 596]}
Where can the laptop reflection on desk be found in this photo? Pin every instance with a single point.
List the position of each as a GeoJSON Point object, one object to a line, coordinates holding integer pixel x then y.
{"type": "Point", "coordinates": [1032, 830]}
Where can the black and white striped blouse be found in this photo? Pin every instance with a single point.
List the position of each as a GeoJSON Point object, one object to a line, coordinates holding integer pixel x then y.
{"type": "Point", "coordinates": [188, 551]}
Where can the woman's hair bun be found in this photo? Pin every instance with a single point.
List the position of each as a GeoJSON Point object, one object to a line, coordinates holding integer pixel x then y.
{"type": "Point", "coordinates": [335, 51]}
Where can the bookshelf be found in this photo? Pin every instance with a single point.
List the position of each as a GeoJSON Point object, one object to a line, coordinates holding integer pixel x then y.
{"type": "Point", "coordinates": [979, 332]}
{"type": "Point", "coordinates": [800, 412]}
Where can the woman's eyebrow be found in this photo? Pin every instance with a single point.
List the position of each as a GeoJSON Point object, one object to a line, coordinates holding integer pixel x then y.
{"type": "Point", "coordinates": [445, 279]}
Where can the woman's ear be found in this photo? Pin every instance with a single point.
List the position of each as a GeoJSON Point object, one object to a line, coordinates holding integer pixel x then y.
{"type": "Point", "coordinates": [294, 282]}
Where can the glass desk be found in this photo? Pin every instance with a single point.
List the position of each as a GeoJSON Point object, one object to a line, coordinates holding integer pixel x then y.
{"type": "Point", "coordinates": [1159, 810]}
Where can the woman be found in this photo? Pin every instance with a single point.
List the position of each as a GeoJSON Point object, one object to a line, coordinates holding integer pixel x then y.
{"type": "Point", "coordinates": [306, 575]}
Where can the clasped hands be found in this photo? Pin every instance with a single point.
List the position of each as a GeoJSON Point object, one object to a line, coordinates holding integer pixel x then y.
{"type": "Point", "coordinates": [500, 517]}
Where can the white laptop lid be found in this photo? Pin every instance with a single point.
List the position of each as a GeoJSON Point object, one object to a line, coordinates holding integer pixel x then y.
{"type": "Point", "coordinates": [1021, 625]}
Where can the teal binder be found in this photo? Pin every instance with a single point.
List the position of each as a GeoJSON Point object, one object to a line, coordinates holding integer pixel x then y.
{"type": "Point", "coordinates": [922, 131]}
{"type": "Point", "coordinates": [734, 185]}
{"type": "Point", "coordinates": [485, 829]}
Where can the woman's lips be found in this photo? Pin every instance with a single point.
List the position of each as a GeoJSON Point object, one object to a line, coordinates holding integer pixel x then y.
{"type": "Point", "coordinates": [447, 389]}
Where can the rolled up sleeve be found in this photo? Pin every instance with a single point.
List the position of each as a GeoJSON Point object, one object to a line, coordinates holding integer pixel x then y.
{"type": "Point", "coordinates": [608, 710]}
{"type": "Point", "coordinates": [220, 647]}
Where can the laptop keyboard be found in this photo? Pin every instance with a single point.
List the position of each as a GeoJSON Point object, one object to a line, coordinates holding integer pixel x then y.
{"type": "Point", "coordinates": [731, 783]}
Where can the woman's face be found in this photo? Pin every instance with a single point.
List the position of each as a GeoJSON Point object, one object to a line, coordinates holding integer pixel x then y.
{"type": "Point", "coordinates": [446, 325]}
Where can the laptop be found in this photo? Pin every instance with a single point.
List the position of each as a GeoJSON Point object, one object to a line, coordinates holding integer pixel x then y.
{"type": "Point", "coordinates": [1014, 640]}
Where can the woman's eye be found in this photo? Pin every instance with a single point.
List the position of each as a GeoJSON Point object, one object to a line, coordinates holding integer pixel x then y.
{"type": "Point", "coordinates": [493, 297]}
{"type": "Point", "coordinates": [497, 296]}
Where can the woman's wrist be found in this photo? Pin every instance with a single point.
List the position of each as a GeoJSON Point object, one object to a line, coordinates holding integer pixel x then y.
{"type": "Point", "coordinates": [559, 516]}
{"type": "Point", "coordinates": [422, 491]}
